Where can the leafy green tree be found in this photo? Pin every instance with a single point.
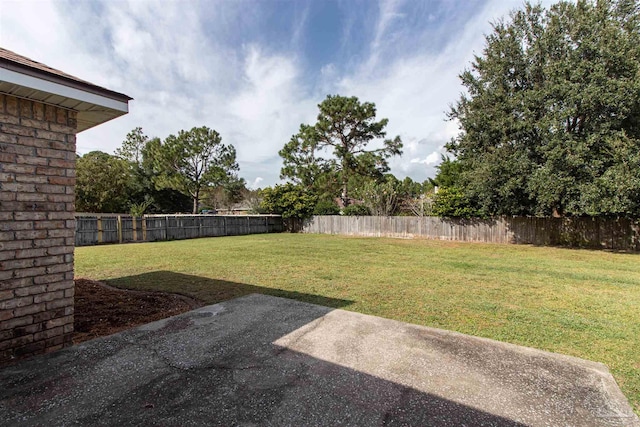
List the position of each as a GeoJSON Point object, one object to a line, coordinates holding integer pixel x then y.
{"type": "Point", "coordinates": [550, 123]}
{"type": "Point", "coordinates": [451, 202]}
{"type": "Point", "coordinates": [288, 200]}
{"type": "Point", "coordinates": [103, 183]}
{"type": "Point", "coordinates": [337, 144]}
{"type": "Point", "coordinates": [133, 146]}
{"type": "Point", "coordinates": [356, 210]}
{"type": "Point", "coordinates": [193, 160]}
{"type": "Point", "coordinates": [382, 198]}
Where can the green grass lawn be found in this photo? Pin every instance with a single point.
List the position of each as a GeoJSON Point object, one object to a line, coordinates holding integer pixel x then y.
{"type": "Point", "coordinates": [576, 302]}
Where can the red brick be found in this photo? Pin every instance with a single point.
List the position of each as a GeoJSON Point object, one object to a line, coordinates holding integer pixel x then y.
{"type": "Point", "coordinates": [61, 116]}
{"type": "Point", "coordinates": [6, 235]}
{"type": "Point", "coordinates": [58, 303]}
{"type": "Point", "coordinates": [49, 333]}
{"type": "Point", "coordinates": [68, 329]}
{"type": "Point", "coordinates": [5, 255]}
{"type": "Point", "coordinates": [6, 196]}
{"type": "Point", "coordinates": [48, 135]}
{"type": "Point", "coordinates": [71, 172]}
{"type": "Point", "coordinates": [30, 216]}
{"type": "Point", "coordinates": [48, 261]}
{"type": "Point", "coordinates": [42, 316]}
{"type": "Point", "coordinates": [60, 215]}
{"type": "Point", "coordinates": [59, 267]}
{"type": "Point", "coordinates": [55, 189]}
{"type": "Point", "coordinates": [7, 118]}
{"type": "Point", "coordinates": [19, 187]}
{"type": "Point", "coordinates": [48, 243]}
{"type": "Point", "coordinates": [50, 171]}
{"type": "Point", "coordinates": [53, 154]}
{"type": "Point", "coordinates": [30, 309]}
{"type": "Point", "coordinates": [62, 128]}
{"type": "Point", "coordinates": [32, 160]}
{"type": "Point", "coordinates": [38, 111]}
{"type": "Point", "coordinates": [31, 234]}
{"type": "Point", "coordinates": [48, 296]}
{"type": "Point", "coordinates": [6, 315]}
{"type": "Point", "coordinates": [69, 310]}
{"type": "Point", "coordinates": [16, 302]}
{"type": "Point", "coordinates": [69, 293]}
{"type": "Point", "coordinates": [44, 225]}
{"type": "Point", "coordinates": [16, 322]}
{"type": "Point", "coordinates": [16, 283]}
{"type": "Point", "coordinates": [60, 321]}
{"type": "Point", "coordinates": [64, 232]}
{"type": "Point", "coordinates": [7, 158]}
{"type": "Point", "coordinates": [62, 180]}
{"type": "Point", "coordinates": [15, 264]}
{"type": "Point", "coordinates": [34, 123]}
{"type": "Point", "coordinates": [27, 330]}
{"type": "Point", "coordinates": [30, 290]}
{"type": "Point", "coordinates": [26, 108]}
{"type": "Point", "coordinates": [48, 278]}
{"type": "Point", "coordinates": [6, 216]}
{"type": "Point", "coordinates": [61, 198]}
{"type": "Point", "coordinates": [50, 113]}
{"type": "Point", "coordinates": [11, 139]}
{"type": "Point", "coordinates": [35, 179]}
{"type": "Point", "coordinates": [6, 295]}
{"type": "Point", "coordinates": [61, 250]}
{"type": "Point", "coordinates": [29, 272]}
{"type": "Point", "coordinates": [12, 105]}
{"type": "Point", "coordinates": [17, 149]}
{"type": "Point", "coordinates": [31, 253]}
{"type": "Point", "coordinates": [31, 197]}
{"type": "Point", "coordinates": [68, 284]}
{"type": "Point", "coordinates": [16, 168]}
{"type": "Point", "coordinates": [15, 244]}
{"type": "Point", "coordinates": [16, 130]}
{"type": "Point", "coordinates": [59, 163]}
{"type": "Point", "coordinates": [16, 225]}
{"type": "Point", "coordinates": [16, 342]}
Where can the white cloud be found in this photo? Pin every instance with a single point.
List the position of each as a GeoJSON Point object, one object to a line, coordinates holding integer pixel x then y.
{"type": "Point", "coordinates": [189, 64]}
{"type": "Point", "coordinates": [431, 159]}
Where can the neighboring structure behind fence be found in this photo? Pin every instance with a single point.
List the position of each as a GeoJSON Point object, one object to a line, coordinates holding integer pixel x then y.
{"type": "Point", "coordinates": [93, 229]}
{"type": "Point", "coordinates": [599, 233]}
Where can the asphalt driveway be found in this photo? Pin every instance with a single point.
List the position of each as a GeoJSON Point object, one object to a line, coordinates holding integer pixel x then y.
{"type": "Point", "coordinates": [262, 360]}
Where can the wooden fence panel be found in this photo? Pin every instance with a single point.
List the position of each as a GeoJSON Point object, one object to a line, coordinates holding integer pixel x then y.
{"type": "Point", "coordinates": [93, 229]}
{"type": "Point", "coordinates": [597, 233]}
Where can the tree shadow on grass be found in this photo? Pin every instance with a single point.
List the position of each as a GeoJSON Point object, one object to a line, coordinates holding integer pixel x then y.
{"type": "Point", "coordinates": [213, 291]}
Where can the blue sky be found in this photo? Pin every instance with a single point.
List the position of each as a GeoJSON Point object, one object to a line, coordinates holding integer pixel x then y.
{"type": "Point", "coordinates": [256, 70]}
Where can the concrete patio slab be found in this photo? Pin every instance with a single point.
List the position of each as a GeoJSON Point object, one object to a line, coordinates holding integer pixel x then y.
{"type": "Point", "coordinates": [261, 360]}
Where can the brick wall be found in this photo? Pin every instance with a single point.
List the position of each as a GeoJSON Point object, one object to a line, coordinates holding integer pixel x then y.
{"type": "Point", "coordinates": [37, 179]}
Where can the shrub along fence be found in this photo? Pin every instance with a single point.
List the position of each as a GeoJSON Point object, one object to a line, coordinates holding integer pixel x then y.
{"type": "Point", "coordinates": [598, 233]}
{"type": "Point", "coordinates": [95, 229]}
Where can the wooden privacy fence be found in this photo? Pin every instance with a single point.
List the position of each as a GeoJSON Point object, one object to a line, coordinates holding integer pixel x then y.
{"type": "Point", "coordinates": [597, 233]}
{"type": "Point", "coordinates": [94, 229]}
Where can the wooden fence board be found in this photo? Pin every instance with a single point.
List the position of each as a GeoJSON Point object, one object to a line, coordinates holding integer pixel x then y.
{"type": "Point", "coordinates": [93, 229]}
{"type": "Point", "coordinates": [597, 233]}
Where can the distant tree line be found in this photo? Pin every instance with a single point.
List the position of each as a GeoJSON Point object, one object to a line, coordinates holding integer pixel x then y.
{"type": "Point", "coordinates": [146, 174]}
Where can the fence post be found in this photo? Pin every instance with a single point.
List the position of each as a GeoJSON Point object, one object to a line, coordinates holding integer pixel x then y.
{"type": "Point", "coordinates": [99, 229]}
{"type": "Point", "coordinates": [224, 225]}
{"type": "Point", "coordinates": [119, 225]}
{"type": "Point", "coordinates": [134, 221]}
{"type": "Point", "coordinates": [144, 228]}
{"type": "Point", "coordinates": [166, 227]}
